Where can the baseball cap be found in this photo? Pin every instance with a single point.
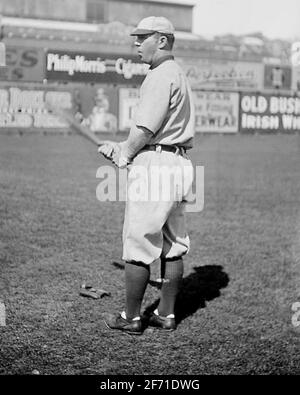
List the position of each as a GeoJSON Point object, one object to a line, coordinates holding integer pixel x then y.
{"type": "Point", "coordinates": [153, 24]}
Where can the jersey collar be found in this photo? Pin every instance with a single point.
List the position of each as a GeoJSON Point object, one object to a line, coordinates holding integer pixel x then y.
{"type": "Point", "coordinates": [160, 61]}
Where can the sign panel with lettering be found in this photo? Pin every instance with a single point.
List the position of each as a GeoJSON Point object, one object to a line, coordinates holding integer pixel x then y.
{"type": "Point", "coordinates": [94, 67]}
{"type": "Point", "coordinates": [296, 78]}
{"type": "Point", "coordinates": [24, 64]}
{"type": "Point", "coordinates": [278, 113]}
{"type": "Point", "coordinates": [128, 100]}
{"type": "Point", "coordinates": [216, 111]}
{"type": "Point", "coordinates": [97, 107]}
{"type": "Point", "coordinates": [94, 106]}
{"type": "Point", "coordinates": [295, 54]}
{"type": "Point", "coordinates": [222, 74]}
{"type": "Point", "coordinates": [277, 77]}
{"type": "Point", "coordinates": [25, 108]}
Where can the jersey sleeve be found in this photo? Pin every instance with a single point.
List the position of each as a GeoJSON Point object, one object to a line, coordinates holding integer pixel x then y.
{"type": "Point", "coordinates": [154, 103]}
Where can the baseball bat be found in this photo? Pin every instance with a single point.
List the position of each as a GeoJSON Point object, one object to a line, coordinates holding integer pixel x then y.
{"type": "Point", "coordinates": [80, 129]}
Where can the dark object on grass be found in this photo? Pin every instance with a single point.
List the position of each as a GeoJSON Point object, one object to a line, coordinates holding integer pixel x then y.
{"type": "Point", "coordinates": [119, 265]}
{"type": "Point", "coordinates": [91, 292]}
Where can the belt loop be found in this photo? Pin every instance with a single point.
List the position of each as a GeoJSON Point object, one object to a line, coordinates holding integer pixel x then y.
{"type": "Point", "coordinates": [178, 151]}
{"type": "Point", "coordinates": [158, 148]}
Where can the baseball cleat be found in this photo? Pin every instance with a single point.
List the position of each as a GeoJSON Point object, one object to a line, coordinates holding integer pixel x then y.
{"type": "Point", "coordinates": [132, 327]}
{"type": "Point", "coordinates": [160, 322]}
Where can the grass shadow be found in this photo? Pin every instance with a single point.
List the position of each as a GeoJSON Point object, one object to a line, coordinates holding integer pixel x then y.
{"type": "Point", "coordinates": [202, 285]}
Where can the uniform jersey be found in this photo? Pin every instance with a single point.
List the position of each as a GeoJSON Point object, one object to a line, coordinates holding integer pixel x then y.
{"type": "Point", "coordinates": [166, 105]}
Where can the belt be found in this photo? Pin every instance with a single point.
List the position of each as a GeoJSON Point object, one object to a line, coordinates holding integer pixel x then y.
{"type": "Point", "coordinates": [162, 147]}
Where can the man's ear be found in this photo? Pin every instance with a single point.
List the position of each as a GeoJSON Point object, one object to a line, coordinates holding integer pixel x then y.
{"type": "Point", "coordinates": [163, 42]}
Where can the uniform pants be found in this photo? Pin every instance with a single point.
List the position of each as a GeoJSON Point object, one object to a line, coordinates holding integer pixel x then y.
{"type": "Point", "coordinates": [158, 186]}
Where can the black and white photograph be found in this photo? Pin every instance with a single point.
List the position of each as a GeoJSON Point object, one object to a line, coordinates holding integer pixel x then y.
{"type": "Point", "coordinates": [149, 191]}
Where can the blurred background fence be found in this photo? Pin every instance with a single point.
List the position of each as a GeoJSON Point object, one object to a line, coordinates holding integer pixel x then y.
{"type": "Point", "coordinates": [78, 54]}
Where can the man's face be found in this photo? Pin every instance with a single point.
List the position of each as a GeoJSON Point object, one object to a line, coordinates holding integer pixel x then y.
{"type": "Point", "coordinates": [147, 45]}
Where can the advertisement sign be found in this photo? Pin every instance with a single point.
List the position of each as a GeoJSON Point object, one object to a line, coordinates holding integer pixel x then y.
{"type": "Point", "coordinates": [24, 64]}
{"type": "Point", "coordinates": [97, 107]}
{"type": "Point", "coordinates": [222, 74]}
{"type": "Point", "coordinates": [93, 106]}
{"type": "Point", "coordinates": [128, 100]}
{"type": "Point", "coordinates": [94, 67]}
{"type": "Point", "coordinates": [278, 113]}
{"type": "Point", "coordinates": [295, 54]}
{"type": "Point", "coordinates": [277, 77]}
{"type": "Point", "coordinates": [216, 111]}
{"type": "Point", "coordinates": [25, 108]}
{"type": "Point", "coordinates": [2, 54]}
{"type": "Point", "coordinates": [296, 78]}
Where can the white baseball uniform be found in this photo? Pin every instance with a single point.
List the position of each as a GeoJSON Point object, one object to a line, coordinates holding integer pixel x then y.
{"type": "Point", "coordinates": [160, 180]}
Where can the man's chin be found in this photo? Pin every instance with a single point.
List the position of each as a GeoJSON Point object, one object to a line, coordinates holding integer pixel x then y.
{"type": "Point", "coordinates": [145, 61]}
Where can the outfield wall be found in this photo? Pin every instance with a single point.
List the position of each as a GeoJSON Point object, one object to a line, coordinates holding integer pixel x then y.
{"type": "Point", "coordinates": [101, 89]}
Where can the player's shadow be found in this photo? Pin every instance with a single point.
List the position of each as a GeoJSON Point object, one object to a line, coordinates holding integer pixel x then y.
{"type": "Point", "coordinates": [199, 287]}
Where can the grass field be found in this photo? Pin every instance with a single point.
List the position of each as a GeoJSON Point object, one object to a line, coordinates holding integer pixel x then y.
{"type": "Point", "coordinates": [241, 276]}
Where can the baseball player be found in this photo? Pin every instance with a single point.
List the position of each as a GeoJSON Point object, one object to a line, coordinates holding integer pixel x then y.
{"type": "Point", "coordinates": [154, 228]}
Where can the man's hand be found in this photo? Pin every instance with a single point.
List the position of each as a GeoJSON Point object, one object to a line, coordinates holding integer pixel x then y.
{"type": "Point", "coordinates": [107, 149]}
{"type": "Point", "coordinates": [113, 152]}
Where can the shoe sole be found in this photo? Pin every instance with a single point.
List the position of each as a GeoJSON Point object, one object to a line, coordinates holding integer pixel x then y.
{"type": "Point", "coordinates": [159, 325]}
{"type": "Point", "coordinates": [123, 330]}
{"type": "Point", "coordinates": [162, 329]}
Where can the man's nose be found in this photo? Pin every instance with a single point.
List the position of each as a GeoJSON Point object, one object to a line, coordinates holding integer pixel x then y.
{"type": "Point", "coordinates": [137, 44]}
